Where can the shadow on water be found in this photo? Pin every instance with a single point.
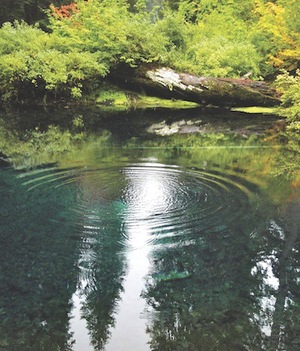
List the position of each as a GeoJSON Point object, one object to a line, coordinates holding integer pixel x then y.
{"type": "Point", "coordinates": [181, 243]}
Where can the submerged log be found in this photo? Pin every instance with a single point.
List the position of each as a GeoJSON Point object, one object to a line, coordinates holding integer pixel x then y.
{"type": "Point", "coordinates": [167, 83]}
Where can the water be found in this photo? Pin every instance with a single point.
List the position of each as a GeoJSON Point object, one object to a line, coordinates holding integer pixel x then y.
{"type": "Point", "coordinates": [151, 248]}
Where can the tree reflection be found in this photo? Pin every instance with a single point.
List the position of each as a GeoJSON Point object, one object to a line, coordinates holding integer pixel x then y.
{"type": "Point", "coordinates": [102, 262]}
{"type": "Point", "coordinates": [103, 277]}
{"type": "Point", "coordinates": [286, 317]}
{"type": "Point", "coordinates": [210, 309]}
{"type": "Point", "coordinates": [37, 270]}
{"type": "Point", "coordinates": [242, 291]}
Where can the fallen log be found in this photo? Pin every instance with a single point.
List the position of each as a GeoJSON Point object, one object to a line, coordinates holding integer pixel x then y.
{"type": "Point", "coordinates": [167, 83]}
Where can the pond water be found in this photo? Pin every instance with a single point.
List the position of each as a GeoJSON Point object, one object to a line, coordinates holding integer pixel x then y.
{"type": "Point", "coordinates": [136, 246]}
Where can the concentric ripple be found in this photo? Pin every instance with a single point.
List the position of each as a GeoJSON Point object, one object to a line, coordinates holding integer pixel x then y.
{"type": "Point", "coordinates": [175, 202]}
{"type": "Point", "coordinates": [168, 203]}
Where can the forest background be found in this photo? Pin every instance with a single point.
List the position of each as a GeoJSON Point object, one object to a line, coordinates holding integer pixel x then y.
{"type": "Point", "coordinates": [68, 49]}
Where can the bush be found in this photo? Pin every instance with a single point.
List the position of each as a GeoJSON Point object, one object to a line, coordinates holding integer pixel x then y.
{"type": "Point", "coordinates": [34, 62]}
{"type": "Point", "coordinates": [289, 85]}
{"type": "Point", "coordinates": [217, 45]}
{"type": "Point", "coordinates": [109, 29]}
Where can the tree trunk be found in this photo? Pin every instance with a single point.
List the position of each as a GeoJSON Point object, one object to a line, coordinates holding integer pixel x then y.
{"type": "Point", "coordinates": [165, 82]}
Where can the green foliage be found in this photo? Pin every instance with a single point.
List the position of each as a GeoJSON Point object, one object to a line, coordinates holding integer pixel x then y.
{"type": "Point", "coordinates": [218, 45]}
{"type": "Point", "coordinates": [108, 29]}
{"type": "Point", "coordinates": [293, 139]}
{"type": "Point", "coordinates": [88, 39]}
{"type": "Point", "coordinates": [36, 62]}
{"type": "Point", "coordinates": [30, 11]}
{"type": "Point", "coordinates": [276, 33]}
{"type": "Point", "coordinates": [289, 86]}
{"type": "Point", "coordinates": [269, 31]}
{"type": "Point", "coordinates": [219, 56]}
{"type": "Point", "coordinates": [198, 10]}
{"type": "Point", "coordinates": [108, 96]}
{"type": "Point", "coordinates": [38, 147]}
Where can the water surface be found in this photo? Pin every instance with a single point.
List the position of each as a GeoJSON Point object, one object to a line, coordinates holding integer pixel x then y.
{"type": "Point", "coordinates": [151, 248]}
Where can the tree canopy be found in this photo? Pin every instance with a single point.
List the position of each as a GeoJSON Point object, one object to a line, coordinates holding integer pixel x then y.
{"type": "Point", "coordinates": [30, 11]}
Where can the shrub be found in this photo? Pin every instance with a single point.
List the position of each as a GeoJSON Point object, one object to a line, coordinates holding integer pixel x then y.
{"type": "Point", "coordinates": [289, 85]}
{"type": "Point", "coordinates": [34, 62]}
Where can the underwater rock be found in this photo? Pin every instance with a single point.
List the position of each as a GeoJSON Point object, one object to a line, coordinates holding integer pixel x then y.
{"type": "Point", "coordinates": [172, 275]}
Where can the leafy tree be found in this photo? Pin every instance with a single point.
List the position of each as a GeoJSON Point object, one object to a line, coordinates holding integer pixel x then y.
{"type": "Point", "coordinates": [276, 33]}
{"type": "Point", "coordinates": [28, 10]}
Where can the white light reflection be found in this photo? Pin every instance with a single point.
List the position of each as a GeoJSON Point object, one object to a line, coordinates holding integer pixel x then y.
{"type": "Point", "coordinates": [129, 332]}
{"type": "Point", "coordinates": [146, 196]}
{"type": "Point", "coordinates": [268, 301]}
{"type": "Point", "coordinates": [78, 324]}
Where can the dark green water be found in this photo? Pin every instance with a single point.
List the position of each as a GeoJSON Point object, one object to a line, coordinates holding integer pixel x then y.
{"type": "Point", "coordinates": [151, 248]}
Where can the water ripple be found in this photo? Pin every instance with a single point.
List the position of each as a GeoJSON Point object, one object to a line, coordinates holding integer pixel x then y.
{"type": "Point", "coordinates": [180, 202]}
{"type": "Point", "coordinates": [166, 203]}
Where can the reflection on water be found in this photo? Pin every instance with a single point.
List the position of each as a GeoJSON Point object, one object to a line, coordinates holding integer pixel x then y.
{"type": "Point", "coordinates": [150, 249]}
